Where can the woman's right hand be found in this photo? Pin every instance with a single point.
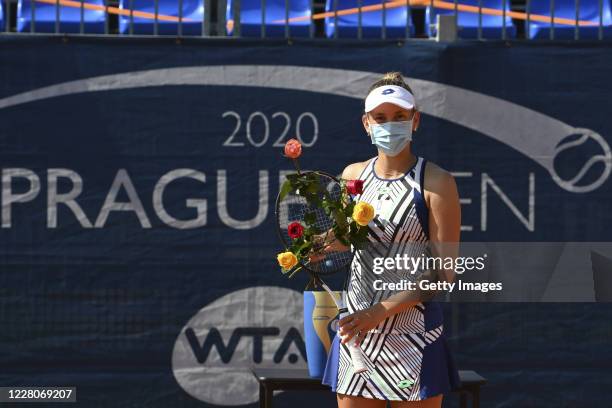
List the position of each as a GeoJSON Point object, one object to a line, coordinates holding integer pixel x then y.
{"type": "Point", "coordinates": [330, 244]}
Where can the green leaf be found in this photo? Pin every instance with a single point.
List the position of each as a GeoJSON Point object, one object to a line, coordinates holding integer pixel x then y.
{"type": "Point", "coordinates": [362, 233]}
{"type": "Point", "coordinates": [313, 200]}
{"type": "Point", "coordinates": [340, 232]}
{"type": "Point", "coordinates": [293, 177]}
{"type": "Point", "coordinates": [310, 218]}
{"type": "Point", "coordinates": [340, 218]}
{"type": "Point", "coordinates": [304, 249]}
{"type": "Point", "coordinates": [326, 194]}
{"type": "Point", "coordinates": [312, 188]}
{"type": "Point", "coordinates": [285, 189]}
{"type": "Point", "coordinates": [342, 239]}
{"type": "Point", "coordinates": [312, 177]}
{"type": "Point", "coordinates": [348, 210]}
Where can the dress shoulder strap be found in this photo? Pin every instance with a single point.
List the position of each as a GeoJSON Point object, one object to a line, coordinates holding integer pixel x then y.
{"type": "Point", "coordinates": [418, 173]}
{"type": "Point", "coordinates": [367, 169]}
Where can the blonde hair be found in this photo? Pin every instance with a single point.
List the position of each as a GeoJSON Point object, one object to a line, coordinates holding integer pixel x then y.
{"type": "Point", "coordinates": [393, 78]}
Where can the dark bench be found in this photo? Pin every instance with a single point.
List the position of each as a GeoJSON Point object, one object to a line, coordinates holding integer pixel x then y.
{"type": "Point", "coordinates": [271, 379]}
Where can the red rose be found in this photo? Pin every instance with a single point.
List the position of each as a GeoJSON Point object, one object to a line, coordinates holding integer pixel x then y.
{"type": "Point", "coordinates": [293, 149]}
{"type": "Point", "coordinates": [354, 187]}
{"type": "Point", "coordinates": [295, 230]}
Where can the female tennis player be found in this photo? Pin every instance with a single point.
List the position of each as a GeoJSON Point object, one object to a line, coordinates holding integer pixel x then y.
{"type": "Point", "coordinates": [415, 201]}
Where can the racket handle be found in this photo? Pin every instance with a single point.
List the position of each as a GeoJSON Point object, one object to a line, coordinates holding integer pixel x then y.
{"type": "Point", "coordinates": [357, 357]}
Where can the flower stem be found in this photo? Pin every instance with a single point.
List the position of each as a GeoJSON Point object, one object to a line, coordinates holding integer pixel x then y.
{"type": "Point", "coordinates": [294, 272]}
{"type": "Point", "coordinates": [297, 166]}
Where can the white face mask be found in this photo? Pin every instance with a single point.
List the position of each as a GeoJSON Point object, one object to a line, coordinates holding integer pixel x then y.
{"type": "Point", "coordinates": [391, 137]}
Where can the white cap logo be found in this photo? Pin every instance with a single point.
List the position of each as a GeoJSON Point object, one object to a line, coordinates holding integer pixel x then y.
{"type": "Point", "coordinates": [396, 95]}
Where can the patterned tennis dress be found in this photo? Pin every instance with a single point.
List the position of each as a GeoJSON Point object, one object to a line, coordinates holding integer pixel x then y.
{"type": "Point", "coordinates": [407, 355]}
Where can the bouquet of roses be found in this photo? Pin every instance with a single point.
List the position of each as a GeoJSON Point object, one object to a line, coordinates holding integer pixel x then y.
{"type": "Point", "coordinates": [349, 219]}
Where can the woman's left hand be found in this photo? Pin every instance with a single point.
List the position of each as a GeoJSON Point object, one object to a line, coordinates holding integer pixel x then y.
{"type": "Point", "coordinates": [359, 323]}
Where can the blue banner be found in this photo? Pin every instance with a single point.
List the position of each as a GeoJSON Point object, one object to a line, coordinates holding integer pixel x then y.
{"type": "Point", "coordinates": [138, 185]}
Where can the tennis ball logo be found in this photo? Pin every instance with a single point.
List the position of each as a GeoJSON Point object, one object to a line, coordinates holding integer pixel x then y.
{"type": "Point", "coordinates": [586, 175]}
{"type": "Point", "coordinates": [256, 326]}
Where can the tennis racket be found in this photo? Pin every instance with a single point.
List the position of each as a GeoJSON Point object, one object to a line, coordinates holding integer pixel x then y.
{"type": "Point", "coordinates": [292, 207]}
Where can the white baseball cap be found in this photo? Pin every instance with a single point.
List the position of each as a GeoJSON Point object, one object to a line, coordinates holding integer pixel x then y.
{"type": "Point", "coordinates": [394, 94]}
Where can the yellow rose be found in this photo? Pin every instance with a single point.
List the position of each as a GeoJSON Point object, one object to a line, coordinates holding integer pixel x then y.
{"type": "Point", "coordinates": [363, 213]}
{"type": "Point", "coordinates": [286, 260]}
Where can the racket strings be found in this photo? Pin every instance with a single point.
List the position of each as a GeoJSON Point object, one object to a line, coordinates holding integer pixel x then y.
{"type": "Point", "coordinates": [295, 208]}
